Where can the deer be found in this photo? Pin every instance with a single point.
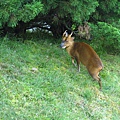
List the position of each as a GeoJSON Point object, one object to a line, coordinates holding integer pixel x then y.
{"type": "Point", "coordinates": [82, 52]}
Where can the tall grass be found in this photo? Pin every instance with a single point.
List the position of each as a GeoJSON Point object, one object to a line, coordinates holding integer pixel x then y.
{"type": "Point", "coordinates": [38, 81]}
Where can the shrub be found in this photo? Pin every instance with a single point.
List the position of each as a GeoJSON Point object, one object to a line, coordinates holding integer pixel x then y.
{"type": "Point", "coordinates": [107, 37]}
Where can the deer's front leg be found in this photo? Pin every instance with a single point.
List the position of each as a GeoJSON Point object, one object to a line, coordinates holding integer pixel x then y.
{"type": "Point", "coordinates": [73, 61]}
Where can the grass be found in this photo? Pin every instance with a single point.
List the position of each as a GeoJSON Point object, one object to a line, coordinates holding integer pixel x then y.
{"type": "Point", "coordinates": [39, 82]}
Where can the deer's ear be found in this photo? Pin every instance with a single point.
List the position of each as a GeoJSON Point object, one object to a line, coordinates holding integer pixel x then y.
{"type": "Point", "coordinates": [65, 33]}
{"type": "Point", "coordinates": [71, 34]}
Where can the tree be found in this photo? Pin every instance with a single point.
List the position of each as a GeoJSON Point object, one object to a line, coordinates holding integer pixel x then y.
{"type": "Point", "coordinates": [19, 15]}
{"type": "Point", "coordinates": [16, 14]}
{"type": "Point", "coordinates": [108, 11]}
{"type": "Point", "coordinates": [107, 31]}
{"type": "Point", "coordinates": [61, 15]}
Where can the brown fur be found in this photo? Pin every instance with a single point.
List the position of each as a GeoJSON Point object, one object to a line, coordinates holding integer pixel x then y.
{"type": "Point", "coordinates": [83, 53]}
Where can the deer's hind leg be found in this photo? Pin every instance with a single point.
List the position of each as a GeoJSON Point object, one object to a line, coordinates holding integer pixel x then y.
{"type": "Point", "coordinates": [95, 75]}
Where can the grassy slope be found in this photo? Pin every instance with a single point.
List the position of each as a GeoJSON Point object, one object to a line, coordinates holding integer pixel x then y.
{"type": "Point", "coordinates": [38, 81]}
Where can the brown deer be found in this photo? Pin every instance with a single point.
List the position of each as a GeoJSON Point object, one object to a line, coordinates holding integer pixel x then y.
{"type": "Point", "coordinates": [83, 53]}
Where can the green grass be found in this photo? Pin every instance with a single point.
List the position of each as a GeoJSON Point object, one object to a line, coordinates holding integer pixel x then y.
{"type": "Point", "coordinates": [39, 82]}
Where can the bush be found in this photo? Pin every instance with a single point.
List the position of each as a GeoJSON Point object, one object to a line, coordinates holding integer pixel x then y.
{"type": "Point", "coordinates": [107, 37]}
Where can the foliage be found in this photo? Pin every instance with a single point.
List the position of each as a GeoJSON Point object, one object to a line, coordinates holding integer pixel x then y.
{"type": "Point", "coordinates": [13, 11]}
{"type": "Point", "coordinates": [107, 37]}
{"type": "Point", "coordinates": [108, 11]}
{"type": "Point", "coordinates": [54, 90]}
{"type": "Point", "coordinates": [60, 15]}
{"type": "Point", "coordinates": [75, 10]}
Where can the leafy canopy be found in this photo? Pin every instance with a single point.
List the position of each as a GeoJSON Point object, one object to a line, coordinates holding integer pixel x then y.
{"type": "Point", "coordinates": [13, 11]}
